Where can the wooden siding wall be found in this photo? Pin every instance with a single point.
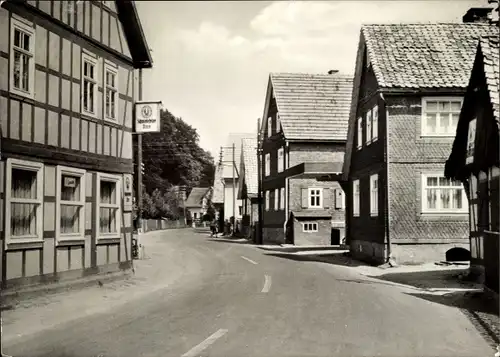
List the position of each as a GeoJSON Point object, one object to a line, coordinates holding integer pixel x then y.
{"type": "Point", "coordinates": [52, 258]}
{"type": "Point", "coordinates": [53, 118]}
{"type": "Point", "coordinates": [49, 128]}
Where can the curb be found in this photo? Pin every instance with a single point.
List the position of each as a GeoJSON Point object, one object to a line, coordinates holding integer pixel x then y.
{"type": "Point", "coordinates": [11, 298]}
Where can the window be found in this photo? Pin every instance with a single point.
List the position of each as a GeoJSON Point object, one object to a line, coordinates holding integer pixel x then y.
{"type": "Point", "coordinates": [442, 195]}
{"type": "Point", "coordinates": [315, 197]}
{"type": "Point", "coordinates": [309, 227]}
{"type": "Point", "coordinates": [360, 133]}
{"type": "Point", "coordinates": [282, 198]}
{"type": "Point", "coordinates": [108, 205]}
{"type": "Point", "coordinates": [281, 159]}
{"type": "Point", "coordinates": [276, 199]}
{"type": "Point", "coordinates": [195, 215]}
{"type": "Point", "coordinates": [374, 123]}
{"type": "Point", "coordinates": [24, 201]}
{"type": "Point", "coordinates": [278, 123]}
{"type": "Point", "coordinates": [374, 195]}
{"type": "Point", "coordinates": [267, 170]}
{"type": "Point", "coordinates": [267, 200]}
{"type": "Point", "coordinates": [369, 127]}
{"type": "Point", "coordinates": [440, 116]}
{"type": "Point", "coordinates": [355, 198]}
{"type": "Point", "coordinates": [70, 203]}
{"type": "Point", "coordinates": [111, 88]}
{"type": "Point", "coordinates": [22, 51]}
{"type": "Point", "coordinates": [269, 127]}
{"type": "Point", "coordinates": [89, 85]}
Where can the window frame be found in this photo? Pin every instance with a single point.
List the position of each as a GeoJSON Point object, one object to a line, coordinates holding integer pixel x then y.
{"type": "Point", "coordinates": [356, 208]}
{"type": "Point", "coordinates": [86, 57]}
{"type": "Point", "coordinates": [26, 27]}
{"type": "Point", "coordinates": [60, 171]}
{"type": "Point", "coordinates": [267, 168]}
{"type": "Point", "coordinates": [112, 68]}
{"type": "Point", "coordinates": [312, 225]}
{"type": "Point", "coordinates": [276, 199]}
{"type": "Point", "coordinates": [423, 117]}
{"type": "Point", "coordinates": [440, 211]}
{"type": "Point", "coordinates": [359, 133]}
{"type": "Point", "coordinates": [267, 200]}
{"type": "Point", "coordinates": [117, 180]}
{"type": "Point", "coordinates": [38, 167]}
{"type": "Point", "coordinates": [368, 125]}
{"type": "Point", "coordinates": [282, 198]}
{"type": "Point", "coordinates": [374, 123]}
{"type": "Point", "coordinates": [374, 191]}
{"type": "Point", "coordinates": [269, 127]}
{"type": "Point", "coordinates": [280, 158]}
{"type": "Point", "coordinates": [309, 196]}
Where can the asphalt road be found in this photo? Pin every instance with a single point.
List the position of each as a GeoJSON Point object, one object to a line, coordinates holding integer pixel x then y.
{"type": "Point", "coordinates": [235, 300]}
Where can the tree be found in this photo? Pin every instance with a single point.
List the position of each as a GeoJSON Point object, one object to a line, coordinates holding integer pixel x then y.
{"type": "Point", "coordinates": [173, 158]}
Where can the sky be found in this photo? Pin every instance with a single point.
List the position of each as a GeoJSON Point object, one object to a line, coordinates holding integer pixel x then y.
{"type": "Point", "coordinates": [212, 59]}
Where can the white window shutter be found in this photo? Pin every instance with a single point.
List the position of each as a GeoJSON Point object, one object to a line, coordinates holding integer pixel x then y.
{"type": "Point", "coordinates": [305, 198]}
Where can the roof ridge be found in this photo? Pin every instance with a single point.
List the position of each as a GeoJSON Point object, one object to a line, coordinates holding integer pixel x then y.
{"type": "Point", "coordinates": [313, 74]}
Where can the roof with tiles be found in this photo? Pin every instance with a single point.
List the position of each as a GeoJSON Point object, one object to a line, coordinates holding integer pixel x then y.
{"type": "Point", "coordinates": [249, 155]}
{"type": "Point", "coordinates": [195, 198]}
{"type": "Point", "coordinates": [490, 51]}
{"type": "Point", "coordinates": [313, 106]}
{"type": "Point", "coordinates": [227, 153]}
{"type": "Point", "coordinates": [423, 55]}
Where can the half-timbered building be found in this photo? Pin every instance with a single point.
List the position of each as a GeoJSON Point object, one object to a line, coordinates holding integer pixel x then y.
{"type": "Point", "coordinates": [68, 84]}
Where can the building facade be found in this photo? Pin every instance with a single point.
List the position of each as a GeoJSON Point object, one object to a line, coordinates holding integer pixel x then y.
{"type": "Point", "coordinates": [474, 160]}
{"type": "Point", "coordinates": [405, 106]}
{"type": "Point", "coordinates": [248, 188]}
{"type": "Point", "coordinates": [68, 88]}
{"type": "Point", "coordinates": [198, 202]}
{"type": "Point", "coordinates": [305, 129]}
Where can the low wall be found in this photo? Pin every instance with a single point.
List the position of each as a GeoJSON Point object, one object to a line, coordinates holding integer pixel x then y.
{"type": "Point", "coordinates": [149, 225]}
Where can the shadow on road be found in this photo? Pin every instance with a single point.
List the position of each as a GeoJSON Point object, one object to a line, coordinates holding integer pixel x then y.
{"type": "Point", "coordinates": [430, 279]}
{"type": "Point", "coordinates": [482, 311]}
{"type": "Point", "coordinates": [229, 240]}
{"type": "Point", "coordinates": [334, 259]}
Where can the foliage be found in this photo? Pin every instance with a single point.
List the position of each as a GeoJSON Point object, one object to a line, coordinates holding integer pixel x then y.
{"type": "Point", "coordinates": [172, 158]}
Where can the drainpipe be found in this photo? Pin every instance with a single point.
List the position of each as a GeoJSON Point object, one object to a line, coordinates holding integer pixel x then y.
{"type": "Point", "coordinates": [387, 191]}
{"type": "Point", "coordinates": [287, 186]}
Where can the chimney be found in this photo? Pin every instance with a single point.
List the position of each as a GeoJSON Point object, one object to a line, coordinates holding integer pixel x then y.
{"type": "Point", "coordinates": [478, 14]}
{"type": "Point", "coordinates": [333, 71]}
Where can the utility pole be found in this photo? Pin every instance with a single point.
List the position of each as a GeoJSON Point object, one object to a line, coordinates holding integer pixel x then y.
{"type": "Point", "coordinates": [139, 172]}
{"type": "Point", "coordinates": [234, 190]}
{"type": "Point", "coordinates": [259, 238]}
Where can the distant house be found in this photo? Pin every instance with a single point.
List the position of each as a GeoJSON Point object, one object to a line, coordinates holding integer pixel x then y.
{"type": "Point", "coordinates": [230, 166]}
{"type": "Point", "coordinates": [303, 135]}
{"type": "Point", "coordinates": [409, 84]}
{"type": "Point", "coordinates": [248, 184]}
{"type": "Point", "coordinates": [474, 159]}
{"type": "Point", "coordinates": [198, 202]}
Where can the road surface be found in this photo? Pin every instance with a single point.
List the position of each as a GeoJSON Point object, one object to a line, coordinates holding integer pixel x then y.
{"type": "Point", "coordinates": [236, 300]}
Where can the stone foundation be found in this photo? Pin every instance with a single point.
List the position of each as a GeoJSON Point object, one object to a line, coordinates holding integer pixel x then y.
{"type": "Point", "coordinates": [376, 253]}
{"type": "Point", "coordinates": [273, 235]}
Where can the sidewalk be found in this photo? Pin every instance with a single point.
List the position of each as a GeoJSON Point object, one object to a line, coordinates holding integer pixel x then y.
{"type": "Point", "coordinates": [161, 267]}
